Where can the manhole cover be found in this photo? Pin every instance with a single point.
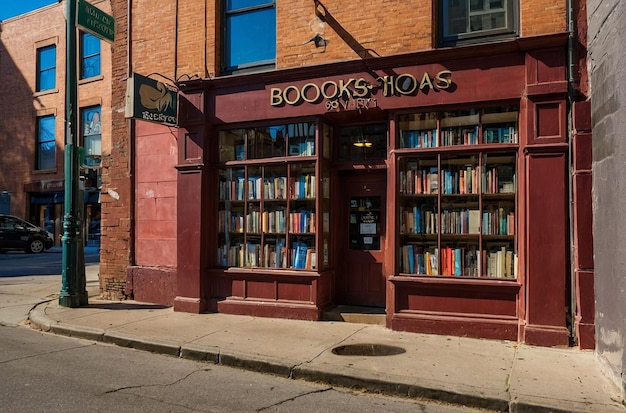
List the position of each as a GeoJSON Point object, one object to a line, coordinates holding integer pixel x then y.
{"type": "Point", "coordinates": [367, 350]}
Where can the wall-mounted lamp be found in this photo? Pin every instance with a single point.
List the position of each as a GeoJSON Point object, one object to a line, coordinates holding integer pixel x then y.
{"type": "Point", "coordinates": [318, 41]}
{"type": "Point", "coordinates": [318, 27]}
{"type": "Point", "coordinates": [363, 142]}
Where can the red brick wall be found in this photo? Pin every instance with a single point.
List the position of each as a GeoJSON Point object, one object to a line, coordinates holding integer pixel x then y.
{"type": "Point", "coordinates": [542, 17]}
{"type": "Point", "coordinates": [354, 30]}
{"type": "Point", "coordinates": [117, 198]}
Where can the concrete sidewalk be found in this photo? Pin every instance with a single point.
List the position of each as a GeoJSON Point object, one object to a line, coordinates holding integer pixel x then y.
{"type": "Point", "coordinates": [496, 375]}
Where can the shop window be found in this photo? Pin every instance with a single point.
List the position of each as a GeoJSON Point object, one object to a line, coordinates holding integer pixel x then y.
{"type": "Point", "coordinates": [365, 142]}
{"type": "Point", "coordinates": [274, 197]}
{"type": "Point", "coordinates": [46, 68]}
{"type": "Point", "coordinates": [249, 35]}
{"type": "Point", "coordinates": [89, 56]}
{"type": "Point", "coordinates": [473, 21]}
{"type": "Point", "coordinates": [46, 142]}
{"type": "Point", "coordinates": [457, 209]}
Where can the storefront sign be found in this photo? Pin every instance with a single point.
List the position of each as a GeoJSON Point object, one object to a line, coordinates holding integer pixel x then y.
{"type": "Point", "coordinates": [359, 93]}
{"type": "Point", "coordinates": [150, 100]}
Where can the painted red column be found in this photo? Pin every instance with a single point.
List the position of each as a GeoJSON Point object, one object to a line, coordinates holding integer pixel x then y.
{"type": "Point", "coordinates": [583, 226]}
{"type": "Point", "coordinates": [191, 282]}
{"type": "Point", "coordinates": [547, 266]}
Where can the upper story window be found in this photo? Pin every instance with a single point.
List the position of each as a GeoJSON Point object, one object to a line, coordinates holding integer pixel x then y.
{"type": "Point", "coordinates": [89, 56]}
{"type": "Point", "coordinates": [46, 142]}
{"type": "Point", "coordinates": [46, 68]}
{"type": "Point", "coordinates": [250, 35]}
{"type": "Point", "coordinates": [92, 134]}
{"type": "Point", "coordinates": [474, 21]}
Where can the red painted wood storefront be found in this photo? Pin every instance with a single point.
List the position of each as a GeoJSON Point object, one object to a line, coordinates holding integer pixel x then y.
{"type": "Point", "coordinates": [434, 185]}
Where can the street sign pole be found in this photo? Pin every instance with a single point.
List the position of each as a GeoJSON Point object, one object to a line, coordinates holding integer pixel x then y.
{"type": "Point", "coordinates": [73, 289]}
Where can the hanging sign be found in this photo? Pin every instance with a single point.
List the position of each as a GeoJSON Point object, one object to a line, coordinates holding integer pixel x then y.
{"type": "Point", "coordinates": [150, 100]}
{"type": "Point", "coordinates": [93, 20]}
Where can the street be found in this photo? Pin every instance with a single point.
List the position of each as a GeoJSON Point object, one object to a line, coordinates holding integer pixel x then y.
{"type": "Point", "coordinates": [18, 263]}
{"type": "Point", "coordinates": [42, 372]}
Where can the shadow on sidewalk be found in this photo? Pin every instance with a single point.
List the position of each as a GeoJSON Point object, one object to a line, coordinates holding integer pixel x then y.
{"type": "Point", "coordinates": [126, 306]}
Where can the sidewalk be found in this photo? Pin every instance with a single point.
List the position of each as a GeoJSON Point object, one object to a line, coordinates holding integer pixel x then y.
{"type": "Point", "coordinates": [496, 375]}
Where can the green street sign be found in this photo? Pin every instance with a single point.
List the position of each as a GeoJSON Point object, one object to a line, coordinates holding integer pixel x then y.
{"type": "Point", "coordinates": [93, 20]}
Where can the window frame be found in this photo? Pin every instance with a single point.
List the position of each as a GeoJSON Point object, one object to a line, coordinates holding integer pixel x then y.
{"type": "Point", "coordinates": [226, 47]}
{"type": "Point", "coordinates": [511, 30]}
{"type": "Point", "coordinates": [84, 57]}
{"type": "Point", "coordinates": [47, 69]}
{"type": "Point", "coordinates": [39, 159]}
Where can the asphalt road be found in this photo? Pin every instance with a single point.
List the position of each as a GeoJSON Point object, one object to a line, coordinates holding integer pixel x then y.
{"type": "Point", "coordinates": [18, 263]}
{"type": "Point", "coordinates": [42, 372]}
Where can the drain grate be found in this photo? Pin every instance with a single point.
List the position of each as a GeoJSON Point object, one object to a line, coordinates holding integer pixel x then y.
{"type": "Point", "coordinates": [374, 350]}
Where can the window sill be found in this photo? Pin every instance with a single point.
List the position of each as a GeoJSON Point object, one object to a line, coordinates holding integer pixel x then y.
{"type": "Point", "coordinates": [90, 79]}
{"type": "Point", "coordinates": [45, 92]}
{"type": "Point", "coordinates": [44, 171]}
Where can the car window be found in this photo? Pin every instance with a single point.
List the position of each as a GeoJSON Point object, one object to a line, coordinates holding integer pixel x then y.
{"type": "Point", "coordinates": [13, 223]}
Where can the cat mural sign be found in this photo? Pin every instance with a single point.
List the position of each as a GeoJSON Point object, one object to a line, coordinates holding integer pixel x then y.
{"type": "Point", "coordinates": [150, 100]}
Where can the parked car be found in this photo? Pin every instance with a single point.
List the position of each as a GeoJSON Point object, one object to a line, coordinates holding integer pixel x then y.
{"type": "Point", "coordinates": [17, 234]}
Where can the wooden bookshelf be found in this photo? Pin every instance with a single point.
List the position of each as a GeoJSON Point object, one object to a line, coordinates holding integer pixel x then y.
{"type": "Point", "coordinates": [457, 209]}
{"type": "Point", "coordinates": [269, 210]}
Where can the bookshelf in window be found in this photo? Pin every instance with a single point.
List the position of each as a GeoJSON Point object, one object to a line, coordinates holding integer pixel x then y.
{"type": "Point", "coordinates": [268, 208]}
{"type": "Point", "coordinates": [493, 125]}
{"type": "Point", "coordinates": [457, 209]}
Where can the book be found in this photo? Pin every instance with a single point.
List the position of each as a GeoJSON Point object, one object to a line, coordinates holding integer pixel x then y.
{"type": "Point", "coordinates": [411, 259]}
{"type": "Point", "coordinates": [474, 221]}
{"type": "Point", "coordinates": [300, 255]}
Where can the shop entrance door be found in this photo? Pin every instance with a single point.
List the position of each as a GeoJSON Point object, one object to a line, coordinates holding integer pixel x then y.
{"type": "Point", "coordinates": [362, 233]}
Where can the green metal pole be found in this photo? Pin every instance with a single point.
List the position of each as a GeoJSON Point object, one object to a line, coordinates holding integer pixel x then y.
{"type": "Point", "coordinates": [73, 291]}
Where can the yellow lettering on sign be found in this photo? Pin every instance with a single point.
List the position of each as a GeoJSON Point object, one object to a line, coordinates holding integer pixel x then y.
{"type": "Point", "coordinates": [442, 79]}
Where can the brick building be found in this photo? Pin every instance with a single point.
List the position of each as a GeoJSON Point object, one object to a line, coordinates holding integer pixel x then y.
{"type": "Point", "coordinates": [32, 117]}
{"type": "Point", "coordinates": [428, 161]}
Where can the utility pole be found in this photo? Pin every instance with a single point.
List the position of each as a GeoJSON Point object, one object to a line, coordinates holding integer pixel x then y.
{"type": "Point", "coordinates": [73, 289]}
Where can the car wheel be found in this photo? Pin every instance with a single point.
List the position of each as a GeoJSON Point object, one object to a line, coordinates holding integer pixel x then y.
{"type": "Point", "coordinates": [35, 246]}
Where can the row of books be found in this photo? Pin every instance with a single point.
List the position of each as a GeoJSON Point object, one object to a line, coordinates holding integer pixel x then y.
{"type": "Point", "coordinates": [305, 148]}
{"type": "Point", "coordinates": [500, 134]}
{"type": "Point", "coordinates": [458, 261]}
{"type": "Point", "coordinates": [415, 220]}
{"type": "Point", "coordinates": [495, 179]}
{"type": "Point", "coordinates": [460, 221]}
{"type": "Point", "coordinates": [495, 221]}
{"type": "Point", "coordinates": [498, 221]}
{"type": "Point", "coordinates": [415, 181]}
{"type": "Point", "coordinates": [302, 221]}
{"type": "Point", "coordinates": [299, 187]}
{"type": "Point", "coordinates": [459, 136]}
{"type": "Point", "coordinates": [460, 181]}
{"type": "Point", "coordinates": [300, 256]}
{"type": "Point", "coordinates": [499, 179]}
{"type": "Point", "coordinates": [428, 138]}
{"type": "Point", "coordinates": [419, 138]}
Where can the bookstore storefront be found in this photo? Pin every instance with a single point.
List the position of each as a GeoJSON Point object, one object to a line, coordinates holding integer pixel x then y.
{"type": "Point", "coordinates": [432, 185]}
